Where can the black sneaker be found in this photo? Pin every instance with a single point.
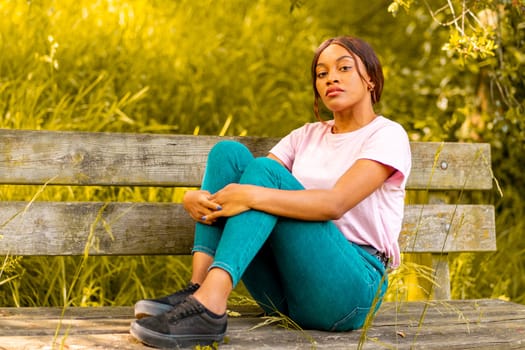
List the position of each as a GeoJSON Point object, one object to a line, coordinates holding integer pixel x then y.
{"type": "Point", "coordinates": [154, 307]}
{"type": "Point", "coordinates": [188, 324]}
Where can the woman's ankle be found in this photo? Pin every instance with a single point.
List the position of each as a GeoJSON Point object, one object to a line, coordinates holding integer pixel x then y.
{"type": "Point", "coordinates": [215, 290]}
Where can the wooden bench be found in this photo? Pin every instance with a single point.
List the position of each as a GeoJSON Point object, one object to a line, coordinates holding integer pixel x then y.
{"type": "Point", "coordinates": [149, 228]}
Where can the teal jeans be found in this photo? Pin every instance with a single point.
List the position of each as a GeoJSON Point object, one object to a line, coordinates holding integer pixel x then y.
{"type": "Point", "coordinates": [306, 270]}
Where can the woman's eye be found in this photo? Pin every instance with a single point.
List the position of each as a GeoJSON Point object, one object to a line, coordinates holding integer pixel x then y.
{"type": "Point", "coordinates": [346, 68]}
{"type": "Point", "coordinates": [321, 75]}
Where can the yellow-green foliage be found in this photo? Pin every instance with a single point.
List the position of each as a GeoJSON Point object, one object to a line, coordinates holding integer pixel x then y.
{"type": "Point", "coordinates": [153, 66]}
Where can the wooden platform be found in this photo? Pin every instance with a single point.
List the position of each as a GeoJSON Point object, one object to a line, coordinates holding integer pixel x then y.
{"type": "Point", "coordinates": [453, 324]}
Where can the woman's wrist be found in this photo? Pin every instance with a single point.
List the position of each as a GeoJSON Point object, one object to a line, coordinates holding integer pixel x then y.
{"type": "Point", "coordinates": [254, 196]}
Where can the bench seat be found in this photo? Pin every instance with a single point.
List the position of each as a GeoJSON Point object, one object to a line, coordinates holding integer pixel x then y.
{"type": "Point", "coordinates": [452, 324]}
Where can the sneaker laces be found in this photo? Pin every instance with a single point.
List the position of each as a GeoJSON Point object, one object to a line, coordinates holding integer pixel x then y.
{"type": "Point", "coordinates": [189, 289]}
{"type": "Point", "coordinates": [188, 307]}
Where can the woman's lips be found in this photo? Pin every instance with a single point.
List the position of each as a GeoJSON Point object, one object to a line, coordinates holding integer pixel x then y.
{"type": "Point", "coordinates": [333, 92]}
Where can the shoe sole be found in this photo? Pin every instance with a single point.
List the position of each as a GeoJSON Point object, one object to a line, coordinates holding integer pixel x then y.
{"type": "Point", "coordinates": [147, 308]}
{"type": "Point", "coordinates": [161, 340]}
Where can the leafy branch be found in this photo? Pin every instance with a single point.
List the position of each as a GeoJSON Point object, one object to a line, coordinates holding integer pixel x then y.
{"type": "Point", "coordinates": [472, 34]}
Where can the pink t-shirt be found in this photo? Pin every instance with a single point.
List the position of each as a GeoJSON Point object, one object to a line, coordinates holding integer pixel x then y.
{"type": "Point", "coordinates": [318, 158]}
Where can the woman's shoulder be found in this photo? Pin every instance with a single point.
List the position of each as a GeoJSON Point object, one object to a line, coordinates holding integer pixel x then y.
{"type": "Point", "coordinates": [312, 128]}
{"type": "Point", "coordinates": [383, 121]}
{"type": "Point", "coordinates": [386, 125]}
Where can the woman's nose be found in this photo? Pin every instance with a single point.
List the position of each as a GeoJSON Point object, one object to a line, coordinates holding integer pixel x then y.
{"type": "Point", "coordinates": [333, 77]}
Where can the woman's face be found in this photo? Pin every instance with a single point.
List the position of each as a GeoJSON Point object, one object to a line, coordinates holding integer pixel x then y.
{"type": "Point", "coordinates": [337, 80]}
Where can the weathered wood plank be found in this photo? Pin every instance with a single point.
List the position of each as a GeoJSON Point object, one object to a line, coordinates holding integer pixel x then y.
{"type": "Point", "coordinates": [67, 228]}
{"type": "Point", "coordinates": [450, 165]}
{"type": "Point", "coordinates": [89, 158]}
{"type": "Point", "coordinates": [439, 228]}
{"type": "Point", "coordinates": [480, 324]}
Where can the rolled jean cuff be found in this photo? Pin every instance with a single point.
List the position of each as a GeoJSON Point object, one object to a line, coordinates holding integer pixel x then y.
{"type": "Point", "coordinates": [203, 249]}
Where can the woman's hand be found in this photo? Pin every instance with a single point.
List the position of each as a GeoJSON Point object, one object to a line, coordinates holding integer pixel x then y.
{"type": "Point", "coordinates": [233, 199]}
{"type": "Point", "coordinates": [199, 205]}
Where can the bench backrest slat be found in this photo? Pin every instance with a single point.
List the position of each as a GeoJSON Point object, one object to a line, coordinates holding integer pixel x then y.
{"type": "Point", "coordinates": [61, 228]}
{"type": "Point", "coordinates": [87, 158]}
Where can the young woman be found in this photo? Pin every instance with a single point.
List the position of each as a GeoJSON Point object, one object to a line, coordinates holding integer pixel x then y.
{"type": "Point", "coordinates": [310, 229]}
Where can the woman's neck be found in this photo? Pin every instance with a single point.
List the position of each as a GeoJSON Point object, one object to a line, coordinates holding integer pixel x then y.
{"type": "Point", "coordinates": [349, 123]}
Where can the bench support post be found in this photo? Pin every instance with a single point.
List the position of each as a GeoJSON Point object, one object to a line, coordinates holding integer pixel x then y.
{"type": "Point", "coordinates": [441, 290]}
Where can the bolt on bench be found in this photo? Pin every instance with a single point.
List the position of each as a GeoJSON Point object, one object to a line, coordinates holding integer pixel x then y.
{"type": "Point", "coordinates": [155, 228]}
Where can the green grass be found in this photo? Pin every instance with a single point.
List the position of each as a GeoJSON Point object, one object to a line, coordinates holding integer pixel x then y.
{"type": "Point", "coordinates": [150, 66]}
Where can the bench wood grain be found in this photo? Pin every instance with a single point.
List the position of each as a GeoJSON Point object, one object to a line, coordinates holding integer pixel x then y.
{"type": "Point", "coordinates": [89, 158]}
{"type": "Point", "coordinates": [454, 324]}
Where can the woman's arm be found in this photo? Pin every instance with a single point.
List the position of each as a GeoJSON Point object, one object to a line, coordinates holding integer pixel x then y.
{"type": "Point", "coordinates": [364, 177]}
{"type": "Point", "coordinates": [199, 205]}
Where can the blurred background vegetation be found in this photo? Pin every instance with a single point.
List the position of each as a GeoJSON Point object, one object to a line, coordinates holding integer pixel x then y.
{"type": "Point", "coordinates": [454, 72]}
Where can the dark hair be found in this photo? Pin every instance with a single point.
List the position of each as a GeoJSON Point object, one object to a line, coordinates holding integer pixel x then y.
{"type": "Point", "coordinates": [361, 49]}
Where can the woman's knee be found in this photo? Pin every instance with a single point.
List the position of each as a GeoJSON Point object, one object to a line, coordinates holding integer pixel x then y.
{"type": "Point", "coordinates": [264, 166]}
{"type": "Point", "coordinates": [264, 163]}
{"type": "Point", "coordinates": [228, 146]}
{"type": "Point", "coordinates": [268, 172]}
{"type": "Point", "coordinates": [227, 150]}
